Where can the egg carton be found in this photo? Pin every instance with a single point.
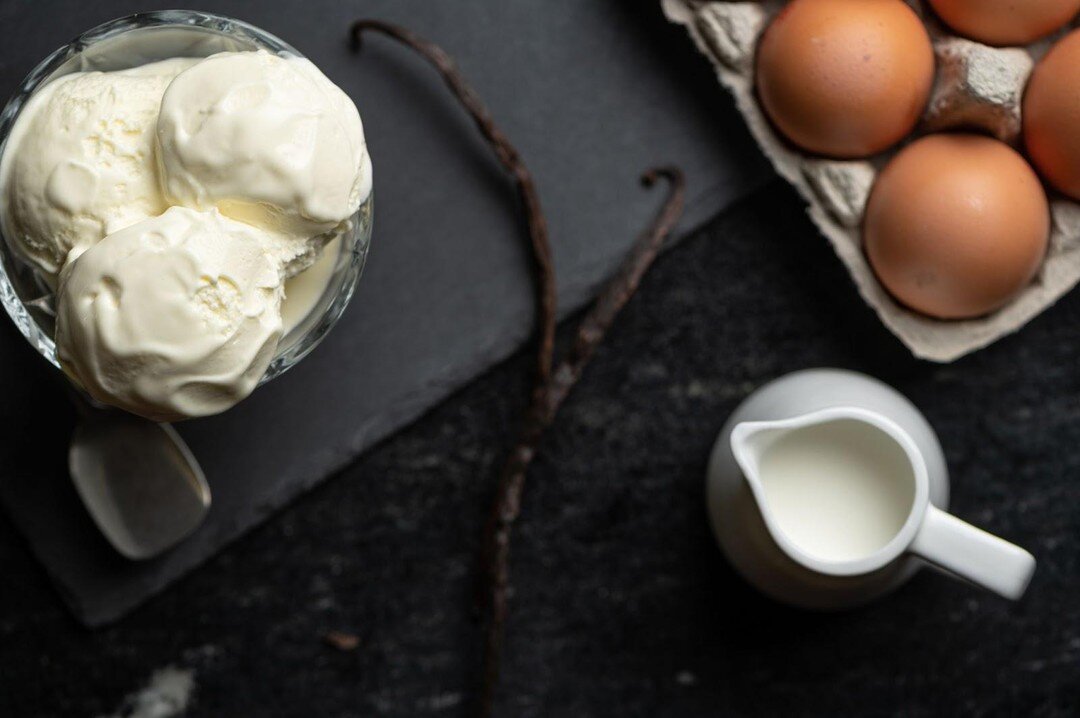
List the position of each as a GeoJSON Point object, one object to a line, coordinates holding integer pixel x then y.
{"type": "Point", "coordinates": [976, 87]}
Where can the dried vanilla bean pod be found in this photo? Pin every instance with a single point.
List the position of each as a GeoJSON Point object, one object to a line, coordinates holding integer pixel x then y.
{"type": "Point", "coordinates": [551, 386]}
{"type": "Point", "coordinates": [621, 287]}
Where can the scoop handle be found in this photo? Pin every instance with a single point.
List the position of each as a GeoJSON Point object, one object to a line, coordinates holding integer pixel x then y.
{"type": "Point", "coordinates": [973, 554]}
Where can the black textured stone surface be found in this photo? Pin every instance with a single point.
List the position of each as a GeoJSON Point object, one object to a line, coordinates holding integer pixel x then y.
{"type": "Point", "coordinates": [622, 603]}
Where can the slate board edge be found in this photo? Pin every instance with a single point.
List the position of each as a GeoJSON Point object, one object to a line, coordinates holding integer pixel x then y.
{"type": "Point", "coordinates": [98, 614]}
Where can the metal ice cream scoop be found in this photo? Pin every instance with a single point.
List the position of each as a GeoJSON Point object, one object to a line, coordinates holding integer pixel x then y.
{"type": "Point", "coordinates": [138, 479]}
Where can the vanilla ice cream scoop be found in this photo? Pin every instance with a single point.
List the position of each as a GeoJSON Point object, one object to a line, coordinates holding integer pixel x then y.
{"type": "Point", "coordinates": [267, 140]}
{"type": "Point", "coordinates": [80, 162]}
{"type": "Point", "coordinates": [175, 316]}
{"type": "Point", "coordinates": [167, 204]}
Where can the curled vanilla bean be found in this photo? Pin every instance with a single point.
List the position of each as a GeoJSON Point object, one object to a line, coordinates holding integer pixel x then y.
{"type": "Point", "coordinates": [552, 385]}
{"type": "Point", "coordinates": [548, 397]}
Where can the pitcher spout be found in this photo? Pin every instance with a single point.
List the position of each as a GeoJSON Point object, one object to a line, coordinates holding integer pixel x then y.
{"type": "Point", "coordinates": [749, 441]}
{"type": "Point", "coordinates": [837, 488]}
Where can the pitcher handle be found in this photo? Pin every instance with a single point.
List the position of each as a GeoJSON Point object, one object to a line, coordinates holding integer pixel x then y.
{"type": "Point", "coordinates": [973, 554]}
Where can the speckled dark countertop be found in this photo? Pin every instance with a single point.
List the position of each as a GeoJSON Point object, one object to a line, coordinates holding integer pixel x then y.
{"type": "Point", "coordinates": [623, 605]}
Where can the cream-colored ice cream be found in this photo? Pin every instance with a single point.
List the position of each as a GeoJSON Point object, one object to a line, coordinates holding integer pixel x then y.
{"type": "Point", "coordinates": [83, 163]}
{"type": "Point", "coordinates": [175, 316]}
{"type": "Point", "coordinates": [168, 204]}
{"type": "Point", "coordinates": [267, 140]}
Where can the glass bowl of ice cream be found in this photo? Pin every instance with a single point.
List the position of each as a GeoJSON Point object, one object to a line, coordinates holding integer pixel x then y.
{"type": "Point", "coordinates": [185, 203]}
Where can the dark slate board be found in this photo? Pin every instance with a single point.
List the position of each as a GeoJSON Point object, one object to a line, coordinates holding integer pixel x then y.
{"type": "Point", "coordinates": [593, 92]}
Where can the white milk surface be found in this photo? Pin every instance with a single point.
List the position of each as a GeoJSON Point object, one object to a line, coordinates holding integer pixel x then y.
{"type": "Point", "coordinates": [839, 490]}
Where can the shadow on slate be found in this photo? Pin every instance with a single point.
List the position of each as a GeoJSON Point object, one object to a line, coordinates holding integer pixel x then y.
{"type": "Point", "coordinates": [593, 93]}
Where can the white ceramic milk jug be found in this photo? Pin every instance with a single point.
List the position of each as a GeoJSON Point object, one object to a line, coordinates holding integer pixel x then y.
{"type": "Point", "coordinates": [828, 488]}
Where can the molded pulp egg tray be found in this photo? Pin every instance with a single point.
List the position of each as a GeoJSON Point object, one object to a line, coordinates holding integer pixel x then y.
{"type": "Point", "coordinates": [976, 87]}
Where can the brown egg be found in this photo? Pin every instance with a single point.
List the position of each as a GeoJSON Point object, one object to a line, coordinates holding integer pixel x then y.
{"type": "Point", "coordinates": [956, 225]}
{"type": "Point", "coordinates": [845, 78]}
{"type": "Point", "coordinates": [1005, 22]}
{"type": "Point", "coordinates": [1052, 115]}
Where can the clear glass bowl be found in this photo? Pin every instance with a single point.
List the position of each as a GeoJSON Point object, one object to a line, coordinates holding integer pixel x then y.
{"type": "Point", "coordinates": [129, 42]}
